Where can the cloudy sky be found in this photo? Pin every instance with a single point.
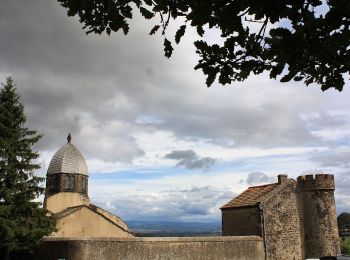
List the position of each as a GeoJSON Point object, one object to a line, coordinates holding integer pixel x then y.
{"type": "Point", "coordinates": [158, 143]}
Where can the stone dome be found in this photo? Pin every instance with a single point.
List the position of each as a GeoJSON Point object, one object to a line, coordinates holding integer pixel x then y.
{"type": "Point", "coordinates": [68, 159]}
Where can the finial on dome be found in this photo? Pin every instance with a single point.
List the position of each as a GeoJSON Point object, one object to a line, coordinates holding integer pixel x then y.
{"type": "Point", "coordinates": [69, 138]}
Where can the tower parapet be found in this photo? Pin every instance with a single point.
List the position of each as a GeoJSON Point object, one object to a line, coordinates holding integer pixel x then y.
{"type": "Point", "coordinates": [317, 182]}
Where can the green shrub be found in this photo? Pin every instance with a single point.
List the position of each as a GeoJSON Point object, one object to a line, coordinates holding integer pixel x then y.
{"type": "Point", "coordinates": [345, 245]}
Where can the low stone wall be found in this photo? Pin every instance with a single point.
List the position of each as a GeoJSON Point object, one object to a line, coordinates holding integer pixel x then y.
{"type": "Point", "coordinates": [242, 248]}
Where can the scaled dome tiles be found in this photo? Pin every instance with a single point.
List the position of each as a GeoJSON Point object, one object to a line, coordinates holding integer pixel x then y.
{"type": "Point", "coordinates": [68, 159]}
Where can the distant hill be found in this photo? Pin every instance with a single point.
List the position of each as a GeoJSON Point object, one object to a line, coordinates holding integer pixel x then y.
{"type": "Point", "coordinates": [344, 224]}
{"type": "Point", "coordinates": [172, 229]}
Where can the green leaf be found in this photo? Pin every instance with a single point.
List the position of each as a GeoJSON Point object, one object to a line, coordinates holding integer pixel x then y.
{"type": "Point", "coordinates": [200, 31]}
{"type": "Point", "coordinates": [154, 29]}
{"type": "Point", "coordinates": [180, 33]}
{"type": "Point", "coordinates": [168, 49]}
{"type": "Point", "coordinates": [125, 27]}
{"type": "Point", "coordinates": [146, 13]}
{"type": "Point", "coordinates": [148, 2]}
{"type": "Point", "coordinates": [210, 78]}
{"type": "Point", "coordinates": [289, 76]}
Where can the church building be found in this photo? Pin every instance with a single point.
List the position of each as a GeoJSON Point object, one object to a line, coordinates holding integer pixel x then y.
{"type": "Point", "coordinates": [67, 198]}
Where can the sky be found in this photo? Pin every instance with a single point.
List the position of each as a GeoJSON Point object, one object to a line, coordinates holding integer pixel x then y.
{"type": "Point", "coordinates": [159, 144]}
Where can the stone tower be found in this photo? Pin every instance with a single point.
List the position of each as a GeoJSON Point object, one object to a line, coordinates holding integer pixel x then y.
{"type": "Point", "coordinates": [316, 195]}
{"type": "Point", "coordinates": [67, 179]}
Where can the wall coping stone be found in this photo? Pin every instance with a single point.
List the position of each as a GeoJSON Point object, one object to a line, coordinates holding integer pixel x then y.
{"type": "Point", "coordinates": [157, 239]}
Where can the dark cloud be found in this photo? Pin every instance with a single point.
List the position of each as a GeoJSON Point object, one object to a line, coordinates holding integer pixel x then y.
{"type": "Point", "coordinates": [333, 160]}
{"type": "Point", "coordinates": [190, 159]}
{"type": "Point", "coordinates": [106, 90]}
{"type": "Point", "coordinates": [258, 177]}
{"type": "Point", "coordinates": [97, 87]}
{"type": "Point", "coordinates": [317, 120]}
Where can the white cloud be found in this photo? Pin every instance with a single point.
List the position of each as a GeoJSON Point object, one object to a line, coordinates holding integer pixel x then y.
{"type": "Point", "coordinates": [192, 204]}
{"type": "Point", "coordinates": [127, 107]}
{"type": "Point", "coordinates": [258, 178]}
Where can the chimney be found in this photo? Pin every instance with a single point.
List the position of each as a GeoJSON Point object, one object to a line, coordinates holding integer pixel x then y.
{"type": "Point", "coordinates": [282, 178]}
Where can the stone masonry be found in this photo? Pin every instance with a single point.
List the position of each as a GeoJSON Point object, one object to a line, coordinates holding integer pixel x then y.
{"type": "Point", "coordinates": [296, 219]}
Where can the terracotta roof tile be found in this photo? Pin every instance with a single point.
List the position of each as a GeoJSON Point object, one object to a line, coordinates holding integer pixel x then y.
{"type": "Point", "coordinates": [250, 196]}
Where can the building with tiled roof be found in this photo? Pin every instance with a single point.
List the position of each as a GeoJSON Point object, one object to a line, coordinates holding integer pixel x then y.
{"type": "Point", "coordinates": [296, 219]}
{"type": "Point", "coordinates": [66, 197]}
{"type": "Point", "coordinates": [251, 196]}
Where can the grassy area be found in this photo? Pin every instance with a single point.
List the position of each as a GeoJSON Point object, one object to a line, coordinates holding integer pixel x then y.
{"type": "Point", "coordinates": [345, 245]}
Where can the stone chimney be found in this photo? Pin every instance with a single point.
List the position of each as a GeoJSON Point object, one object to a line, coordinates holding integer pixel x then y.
{"type": "Point", "coordinates": [282, 178]}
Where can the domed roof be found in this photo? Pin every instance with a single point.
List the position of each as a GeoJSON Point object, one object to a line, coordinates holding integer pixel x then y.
{"type": "Point", "coordinates": [68, 159]}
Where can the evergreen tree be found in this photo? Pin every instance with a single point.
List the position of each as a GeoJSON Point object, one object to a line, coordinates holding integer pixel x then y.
{"type": "Point", "coordinates": [22, 221]}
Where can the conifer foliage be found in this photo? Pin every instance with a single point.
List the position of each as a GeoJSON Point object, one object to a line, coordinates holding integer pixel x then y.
{"type": "Point", "coordinates": [22, 221]}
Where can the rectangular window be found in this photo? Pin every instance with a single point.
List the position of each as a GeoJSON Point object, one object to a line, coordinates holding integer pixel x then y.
{"type": "Point", "coordinates": [71, 182]}
{"type": "Point", "coordinates": [82, 184]}
{"type": "Point", "coordinates": [66, 182]}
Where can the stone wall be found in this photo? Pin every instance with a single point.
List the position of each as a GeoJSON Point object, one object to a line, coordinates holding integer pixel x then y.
{"type": "Point", "coordinates": [220, 248]}
{"type": "Point", "coordinates": [243, 221]}
{"type": "Point", "coordinates": [88, 223]}
{"type": "Point", "coordinates": [283, 227]}
{"type": "Point", "coordinates": [320, 222]}
{"type": "Point", "coordinates": [319, 215]}
{"type": "Point", "coordinates": [63, 200]}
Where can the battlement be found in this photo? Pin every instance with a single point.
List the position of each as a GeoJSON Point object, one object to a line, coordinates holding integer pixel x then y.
{"type": "Point", "coordinates": [317, 182]}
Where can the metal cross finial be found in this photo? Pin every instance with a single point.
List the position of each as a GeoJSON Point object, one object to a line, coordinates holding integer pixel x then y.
{"type": "Point", "coordinates": [69, 138]}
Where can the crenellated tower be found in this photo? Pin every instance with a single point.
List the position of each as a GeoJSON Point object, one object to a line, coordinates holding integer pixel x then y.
{"type": "Point", "coordinates": [321, 236]}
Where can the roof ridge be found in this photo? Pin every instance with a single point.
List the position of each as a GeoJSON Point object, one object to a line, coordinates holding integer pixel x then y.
{"type": "Point", "coordinates": [68, 211]}
{"type": "Point", "coordinates": [91, 207]}
{"type": "Point", "coordinates": [263, 185]}
{"type": "Point", "coordinates": [251, 196]}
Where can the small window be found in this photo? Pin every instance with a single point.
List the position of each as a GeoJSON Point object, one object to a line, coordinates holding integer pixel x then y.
{"type": "Point", "coordinates": [52, 181]}
{"type": "Point", "coordinates": [66, 182]}
{"type": "Point", "coordinates": [49, 182]}
{"type": "Point", "coordinates": [83, 184]}
{"type": "Point", "coordinates": [71, 182]}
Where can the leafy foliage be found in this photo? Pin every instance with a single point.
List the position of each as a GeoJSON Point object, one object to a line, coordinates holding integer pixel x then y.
{"type": "Point", "coordinates": [344, 221]}
{"type": "Point", "coordinates": [22, 221]}
{"type": "Point", "coordinates": [301, 40]}
{"type": "Point", "coordinates": [345, 245]}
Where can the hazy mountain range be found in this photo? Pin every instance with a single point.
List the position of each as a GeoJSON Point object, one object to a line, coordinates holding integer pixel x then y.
{"type": "Point", "coordinates": [169, 228]}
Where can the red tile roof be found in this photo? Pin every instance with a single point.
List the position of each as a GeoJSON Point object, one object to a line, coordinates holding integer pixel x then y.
{"type": "Point", "coordinates": [250, 196]}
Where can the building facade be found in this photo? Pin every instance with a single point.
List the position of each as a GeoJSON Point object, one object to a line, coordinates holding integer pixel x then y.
{"type": "Point", "coordinates": [296, 219]}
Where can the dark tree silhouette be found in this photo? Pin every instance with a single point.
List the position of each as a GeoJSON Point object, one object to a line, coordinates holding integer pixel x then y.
{"type": "Point", "coordinates": [344, 222]}
{"type": "Point", "coordinates": [301, 40]}
{"type": "Point", "coordinates": [22, 222]}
